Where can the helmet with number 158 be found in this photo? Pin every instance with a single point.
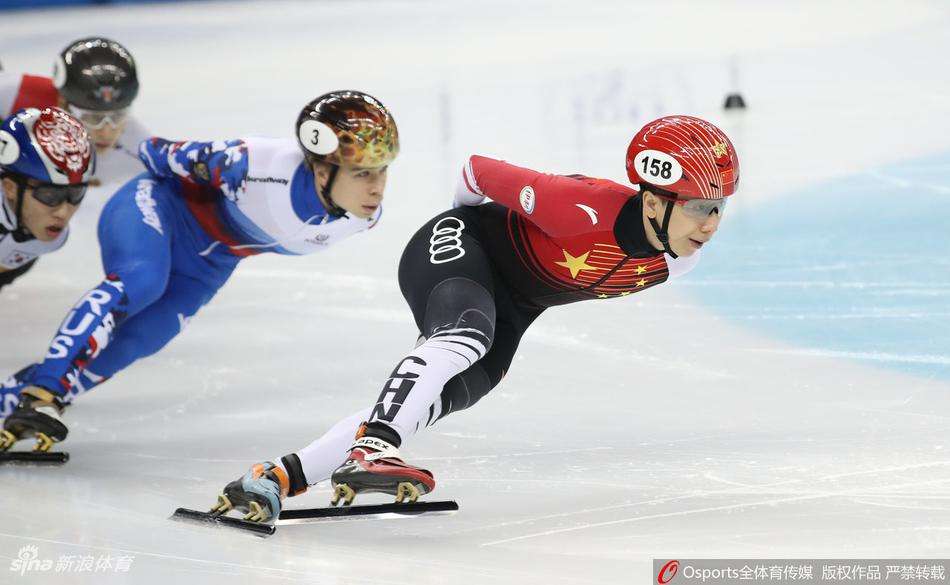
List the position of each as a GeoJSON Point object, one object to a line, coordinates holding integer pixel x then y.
{"type": "Point", "coordinates": [683, 156]}
{"type": "Point", "coordinates": [348, 128]}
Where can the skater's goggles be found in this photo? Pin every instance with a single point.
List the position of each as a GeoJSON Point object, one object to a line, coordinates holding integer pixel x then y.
{"type": "Point", "coordinates": [697, 209]}
{"type": "Point", "coordinates": [96, 119]}
{"type": "Point", "coordinates": [55, 195]}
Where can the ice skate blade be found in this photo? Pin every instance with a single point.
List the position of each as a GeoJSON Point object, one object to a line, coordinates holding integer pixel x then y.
{"type": "Point", "coordinates": [41, 458]}
{"type": "Point", "coordinates": [222, 521]}
{"type": "Point", "coordinates": [391, 510]}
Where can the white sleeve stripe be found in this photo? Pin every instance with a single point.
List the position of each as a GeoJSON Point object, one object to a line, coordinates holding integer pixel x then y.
{"type": "Point", "coordinates": [469, 175]}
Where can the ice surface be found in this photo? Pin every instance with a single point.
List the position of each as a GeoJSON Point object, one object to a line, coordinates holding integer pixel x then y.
{"type": "Point", "coordinates": [744, 412]}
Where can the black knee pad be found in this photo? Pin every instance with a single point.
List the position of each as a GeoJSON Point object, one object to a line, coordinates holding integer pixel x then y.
{"type": "Point", "coordinates": [458, 303]}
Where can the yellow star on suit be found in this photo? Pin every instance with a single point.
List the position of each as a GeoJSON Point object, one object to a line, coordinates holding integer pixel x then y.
{"type": "Point", "coordinates": [720, 149]}
{"type": "Point", "coordinates": [576, 264]}
{"type": "Point", "coordinates": [641, 269]}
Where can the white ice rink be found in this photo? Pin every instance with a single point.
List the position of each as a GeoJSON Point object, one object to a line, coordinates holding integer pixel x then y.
{"type": "Point", "coordinates": [660, 425]}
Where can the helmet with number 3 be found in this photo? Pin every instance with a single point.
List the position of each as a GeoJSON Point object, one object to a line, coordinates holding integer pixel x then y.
{"type": "Point", "coordinates": [348, 128]}
{"type": "Point", "coordinates": [48, 145]}
{"type": "Point", "coordinates": [683, 156]}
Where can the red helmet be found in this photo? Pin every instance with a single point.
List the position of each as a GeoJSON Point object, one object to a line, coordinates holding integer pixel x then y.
{"type": "Point", "coordinates": [684, 155]}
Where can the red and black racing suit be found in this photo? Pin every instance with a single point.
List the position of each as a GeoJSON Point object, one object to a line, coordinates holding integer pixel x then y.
{"type": "Point", "coordinates": [544, 240]}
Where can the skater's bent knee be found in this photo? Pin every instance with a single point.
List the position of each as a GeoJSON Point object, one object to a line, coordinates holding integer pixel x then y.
{"type": "Point", "coordinates": [143, 284]}
{"type": "Point", "coordinates": [461, 303]}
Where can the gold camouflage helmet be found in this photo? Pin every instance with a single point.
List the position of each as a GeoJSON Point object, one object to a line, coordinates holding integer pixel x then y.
{"type": "Point", "coordinates": [348, 128]}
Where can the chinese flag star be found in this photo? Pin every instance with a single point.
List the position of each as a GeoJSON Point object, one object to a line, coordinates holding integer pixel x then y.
{"type": "Point", "coordinates": [575, 265]}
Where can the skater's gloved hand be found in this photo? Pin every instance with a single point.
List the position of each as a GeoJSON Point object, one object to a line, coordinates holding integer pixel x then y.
{"type": "Point", "coordinates": [464, 196]}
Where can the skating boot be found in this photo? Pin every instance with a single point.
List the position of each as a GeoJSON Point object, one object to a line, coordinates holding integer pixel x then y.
{"type": "Point", "coordinates": [259, 493]}
{"type": "Point", "coordinates": [374, 465]}
{"type": "Point", "coordinates": [38, 413]}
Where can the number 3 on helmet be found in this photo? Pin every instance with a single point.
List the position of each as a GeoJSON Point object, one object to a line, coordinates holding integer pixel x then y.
{"type": "Point", "coordinates": [348, 128]}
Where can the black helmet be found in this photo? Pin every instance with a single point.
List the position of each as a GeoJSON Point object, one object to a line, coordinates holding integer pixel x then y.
{"type": "Point", "coordinates": [96, 74]}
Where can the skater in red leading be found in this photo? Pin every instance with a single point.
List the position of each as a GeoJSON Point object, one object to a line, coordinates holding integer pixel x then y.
{"type": "Point", "coordinates": [478, 275]}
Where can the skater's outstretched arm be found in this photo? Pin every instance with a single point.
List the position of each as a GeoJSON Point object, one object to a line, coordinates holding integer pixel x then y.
{"type": "Point", "coordinates": [220, 164]}
{"type": "Point", "coordinates": [559, 205]}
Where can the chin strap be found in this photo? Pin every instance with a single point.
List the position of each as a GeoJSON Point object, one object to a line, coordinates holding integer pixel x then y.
{"type": "Point", "coordinates": [332, 208]}
{"type": "Point", "coordinates": [661, 233]}
{"type": "Point", "coordinates": [21, 230]}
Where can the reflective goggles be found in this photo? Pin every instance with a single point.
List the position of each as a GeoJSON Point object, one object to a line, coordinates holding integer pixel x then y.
{"type": "Point", "coordinates": [698, 209]}
{"type": "Point", "coordinates": [94, 119]}
{"type": "Point", "coordinates": [56, 195]}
